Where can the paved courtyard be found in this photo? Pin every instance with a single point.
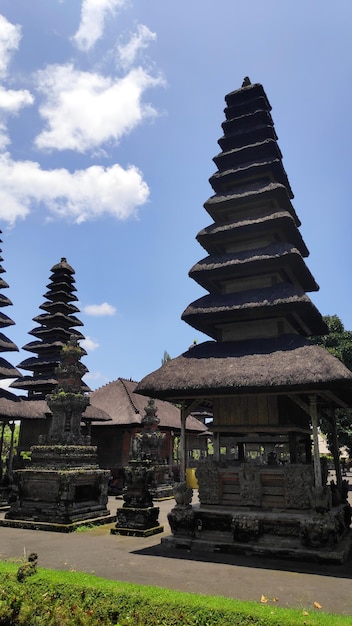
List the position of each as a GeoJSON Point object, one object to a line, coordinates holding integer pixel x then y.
{"type": "Point", "coordinates": [146, 561]}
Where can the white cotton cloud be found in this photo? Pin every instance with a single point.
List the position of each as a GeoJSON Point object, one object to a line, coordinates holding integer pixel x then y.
{"type": "Point", "coordinates": [128, 53]}
{"type": "Point", "coordinates": [84, 110]}
{"type": "Point", "coordinates": [10, 35]}
{"type": "Point", "coordinates": [79, 196]}
{"type": "Point", "coordinates": [12, 101]}
{"type": "Point", "coordinates": [89, 344]}
{"type": "Point", "coordinates": [100, 310]}
{"type": "Point", "coordinates": [93, 16]}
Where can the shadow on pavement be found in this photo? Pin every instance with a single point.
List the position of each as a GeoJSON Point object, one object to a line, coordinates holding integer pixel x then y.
{"type": "Point", "coordinates": [320, 569]}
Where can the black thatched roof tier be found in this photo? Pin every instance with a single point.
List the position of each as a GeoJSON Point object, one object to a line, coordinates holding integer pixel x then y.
{"type": "Point", "coordinates": [126, 408]}
{"type": "Point", "coordinates": [222, 206]}
{"type": "Point", "coordinates": [281, 300]}
{"type": "Point", "coordinates": [286, 364]}
{"type": "Point", "coordinates": [6, 344]}
{"type": "Point", "coordinates": [280, 257]}
{"type": "Point", "coordinates": [39, 384]}
{"type": "Point", "coordinates": [59, 306]}
{"type": "Point", "coordinates": [271, 169]}
{"type": "Point", "coordinates": [49, 362]}
{"type": "Point", "coordinates": [50, 335]}
{"type": "Point", "coordinates": [280, 225]}
{"type": "Point", "coordinates": [5, 301]}
{"type": "Point", "coordinates": [57, 294]}
{"type": "Point", "coordinates": [249, 153]}
{"type": "Point", "coordinates": [57, 319]}
{"type": "Point", "coordinates": [7, 370]}
{"type": "Point", "coordinates": [5, 320]}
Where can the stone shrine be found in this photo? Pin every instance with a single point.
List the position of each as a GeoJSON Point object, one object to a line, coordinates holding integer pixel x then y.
{"type": "Point", "coordinates": [264, 490]}
{"type": "Point", "coordinates": [62, 487]}
{"type": "Point", "coordinates": [139, 516]}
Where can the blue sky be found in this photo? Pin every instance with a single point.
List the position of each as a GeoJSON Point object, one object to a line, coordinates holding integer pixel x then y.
{"type": "Point", "coordinates": [110, 112]}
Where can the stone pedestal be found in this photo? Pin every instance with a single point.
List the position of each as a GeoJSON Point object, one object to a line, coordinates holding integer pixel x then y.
{"type": "Point", "coordinates": [63, 487]}
{"type": "Point", "coordinates": [137, 522]}
{"type": "Point", "coordinates": [138, 516]}
{"type": "Point", "coordinates": [274, 511]}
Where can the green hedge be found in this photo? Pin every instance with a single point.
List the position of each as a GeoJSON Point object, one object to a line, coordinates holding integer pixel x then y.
{"type": "Point", "coordinates": [57, 598]}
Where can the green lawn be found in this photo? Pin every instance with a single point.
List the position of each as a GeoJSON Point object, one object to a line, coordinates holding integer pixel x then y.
{"type": "Point", "coordinates": [57, 598]}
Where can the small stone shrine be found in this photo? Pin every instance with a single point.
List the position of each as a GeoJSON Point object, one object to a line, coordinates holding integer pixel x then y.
{"type": "Point", "coordinates": [62, 487]}
{"type": "Point", "coordinates": [138, 516]}
{"type": "Point", "coordinates": [264, 490]}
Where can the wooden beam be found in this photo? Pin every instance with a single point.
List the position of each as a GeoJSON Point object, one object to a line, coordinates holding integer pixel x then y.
{"type": "Point", "coordinates": [303, 405]}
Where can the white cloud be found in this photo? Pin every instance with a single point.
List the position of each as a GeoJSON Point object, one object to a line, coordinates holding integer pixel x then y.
{"type": "Point", "coordinates": [12, 101]}
{"type": "Point", "coordinates": [83, 110]}
{"type": "Point", "coordinates": [79, 196]}
{"type": "Point", "coordinates": [10, 35]}
{"type": "Point", "coordinates": [93, 16]}
{"type": "Point", "coordinates": [127, 53]}
{"type": "Point", "coordinates": [99, 310]}
{"type": "Point", "coordinates": [89, 344]}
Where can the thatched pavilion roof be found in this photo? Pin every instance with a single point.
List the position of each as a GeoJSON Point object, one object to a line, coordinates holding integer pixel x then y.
{"type": "Point", "coordinates": [285, 364]}
{"type": "Point", "coordinates": [14, 407]}
{"type": "Point", "coordinates": [127, 408]}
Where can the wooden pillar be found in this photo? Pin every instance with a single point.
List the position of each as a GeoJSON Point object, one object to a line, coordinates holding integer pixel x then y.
{"type": "Point", "coordinates": [171, 452]}
{"type": "Point", "coordinates": [314, 418]}
{"type": "Point", "coordinates": [1, 447]}
{"type": "Point", "coordinates": [308, 449]}
{"type": "Point", "coordinates": [240, 447]}
{"type": "Point", "coordinates": [10, 466]}
{"type": "Point", "coordinates": [335, 449]}
{"type": "Point", "coordinates": [183, 444]}
{"type": "Point", "coordinates": [216, 445]}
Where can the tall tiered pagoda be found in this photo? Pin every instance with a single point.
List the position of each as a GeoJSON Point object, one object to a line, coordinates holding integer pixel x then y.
{"type": "Point", "coordinates": [8, 404]}
{"type": "Point", "coordinates": [263, 490]}
{"type": "Point", "coordinates": [56, 327]}
{"type": "Point", "coordinates": [7, 371]}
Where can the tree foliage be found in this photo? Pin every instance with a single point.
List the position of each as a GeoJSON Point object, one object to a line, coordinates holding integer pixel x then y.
{"type": "Point", "coordinates": [165, 358]}
{"type": "Point", "coordinates": [339, 343]}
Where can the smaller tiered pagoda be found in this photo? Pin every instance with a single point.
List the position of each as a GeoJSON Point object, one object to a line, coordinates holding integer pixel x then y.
{"type": "Point", "coordinates": [56, 327]}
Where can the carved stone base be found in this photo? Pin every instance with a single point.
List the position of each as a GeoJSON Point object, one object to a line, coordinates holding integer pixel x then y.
{"type": "Point", "coordinates": [62, 496]}
{"type": "Point", "coordinates": [137, 521]}
{"type": "Point", "coordinates": [182, 521]}
{"type": "Point", "coordinates": [287, 534]}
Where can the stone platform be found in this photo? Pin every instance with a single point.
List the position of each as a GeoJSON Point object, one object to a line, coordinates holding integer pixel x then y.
{"type": "Point", "coordinates": [60, 528]}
